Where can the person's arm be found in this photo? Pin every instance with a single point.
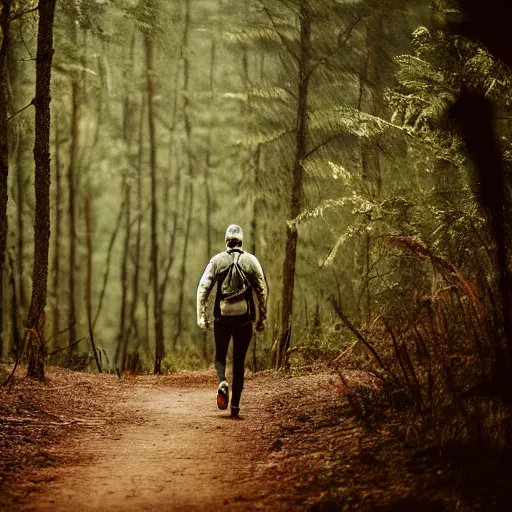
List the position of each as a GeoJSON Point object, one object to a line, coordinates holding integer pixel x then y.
{"type": "Point", "coordinates": [203, 292]}
{"type": "Point", "coordinates": [259, 285]}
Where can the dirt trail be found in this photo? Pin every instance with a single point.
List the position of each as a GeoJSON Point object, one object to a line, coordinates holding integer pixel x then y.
{"type": "Point", "coordinates": [86, 442]}
{"type": "Point", "coordinates": [178, 452]}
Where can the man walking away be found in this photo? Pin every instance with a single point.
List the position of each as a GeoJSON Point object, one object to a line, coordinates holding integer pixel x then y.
{"type": "Point", "coordinates": [236, 274]}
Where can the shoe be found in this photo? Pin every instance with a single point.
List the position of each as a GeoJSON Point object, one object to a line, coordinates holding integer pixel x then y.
{"type": "Point", "coordinates": [223, 395]}
{"type": "Point", "coordinates": [235, 411]}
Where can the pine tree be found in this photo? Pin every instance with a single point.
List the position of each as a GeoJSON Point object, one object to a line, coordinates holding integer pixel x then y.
{"type": "Point", "coordinates": [36, 316]}
{"type": "Point", "coordinates": [4, 151]}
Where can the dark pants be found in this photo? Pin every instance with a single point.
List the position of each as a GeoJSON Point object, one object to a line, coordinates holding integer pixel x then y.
{"type": "Point", "coordinates": [242, 334]}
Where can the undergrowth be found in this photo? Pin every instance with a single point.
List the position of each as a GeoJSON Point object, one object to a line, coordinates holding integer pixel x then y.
{"type": "Point", "coordinates": [436, 351]}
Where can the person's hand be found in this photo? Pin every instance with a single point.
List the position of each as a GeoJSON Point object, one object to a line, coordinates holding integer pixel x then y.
{"type": "Point", "coordinates": [260, 327]}
{"type": "Point", "coordinates": [203, 323]}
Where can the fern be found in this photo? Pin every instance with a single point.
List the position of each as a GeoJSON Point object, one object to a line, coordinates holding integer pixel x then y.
{"type": "Point", "coordinates": [416, 74]}
{"type": "Point", "coordinates": [342, 119]}
{"type": "Point", "coordinates": [359, 203]}
{"type": "Point", "coordinates": [270, 93]}
{"type": "Point", "coordinates": [263, 137]}
{"type": "Point", "coordinates": [326, 169]}
{"type": "Point", "coordinates": [349, 233]}
{"type": "Point", "coordinates": [248, 36]}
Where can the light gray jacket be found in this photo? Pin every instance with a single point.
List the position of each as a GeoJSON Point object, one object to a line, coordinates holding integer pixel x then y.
{"type": "Point", "coordinates": [217, 266]}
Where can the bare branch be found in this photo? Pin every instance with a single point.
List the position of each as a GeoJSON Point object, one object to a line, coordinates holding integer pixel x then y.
{"type": "Point", "coordinates": [341, 43]}
{"type": "Point", "coordinates": [62, 332]}
{"type": "Point", "coordinates": [163, 284]}
{"type": "Point", "coordinates": [324, 143]}
{"type": "Point", "coordinates": [170, 261]}
{"type": "Point", "coordinates": [66, 347]}
{"type": "Point", "coordinates": [165, 124]}
{"type": "Point", "coordinates": [107, 263]}
{"type": "Point", "coordinates": [19, 355]}
{"type": "Point", "coordinates": [19, 15]}
{"type": "Point", "coordinates": [359, 336]}
{"type": "Point", "coordinates": [21, 110]}
{"type": "Point", "coordinates": [22, 37]}
{"type": "Point", "coordinates": [281, 37]}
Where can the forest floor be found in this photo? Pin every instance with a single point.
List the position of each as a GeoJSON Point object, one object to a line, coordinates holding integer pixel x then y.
{"type": "Point", "coordinates": [87, 442]}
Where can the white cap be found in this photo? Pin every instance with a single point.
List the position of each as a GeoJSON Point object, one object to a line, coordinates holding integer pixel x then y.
{"type": "Point", "coordinates": [234, 232]}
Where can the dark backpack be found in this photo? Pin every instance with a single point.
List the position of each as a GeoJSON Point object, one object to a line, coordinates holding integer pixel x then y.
{"type": "Point", "coordinates": [234, 289]}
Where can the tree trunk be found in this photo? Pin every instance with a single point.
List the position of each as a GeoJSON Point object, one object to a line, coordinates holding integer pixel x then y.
{"type": "Point", "coordinates": [4, 153]}
{"type": "Point", "coordinates": [21, 151]}
{"type": "Point", "coordinates": [189, 200]}
{"type": "Point", "coordinates": [122, 340]}
{"type": "Point", "coordinates": [73, 153]}
{"type": "Point", "coordinates": [133, 326]}
{"type": "Point", "coordinates": [253, 165]}
{"type": "Point", "coordinates": [16, 335]}
{"type": "Point", "coordinates": [370, 101]}
{"type": "Point", "coordinates": [189, 193]}
{"type": "Point", "coordinates": [124, 318]}
{"type": "Point", "coordinates": [208, 229]}
{"type": "Point", "coordinates": [207, 184]}
{"type": "Point", "coordinates": [254, 230]}
{"type": "Point", "coordinates": [172, 178]}
{"type": "Point", "coordinates": [88, 286]}
{"type": "Point", "coordinates": [255, 227]}
{"type": "Point", "coordinates": [157, 313]}
{"type": "Point", "coordinates": [21, 125]}
{"type": "Point", "coordinates": [56, 240]}
{"type": "Point", "coordinates": [35, 321]}
{"type": "Point", "coordinates": [128, 105]}
{"type": "Point", "coordinates": [296, 199]}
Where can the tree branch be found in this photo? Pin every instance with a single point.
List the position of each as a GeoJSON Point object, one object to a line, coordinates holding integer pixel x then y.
{"type": "Point", "coordinates": [165, 124]}
{"type": "Point", "coordinates": [19, 355]}
{"type": "Point", "coordinates": [274, 26]}
{"type": "Point", "coordinates": [324, 143]}
{"type": "Point", "coordinates": [24, 42]}
{"type": "Point", "coordinates": [107, 263]}
{"type": "Point", "coordinates": [21, 110]}
{"type": "Point", "coordinates": [19, 15]}
{"type": "Point", "coordinates": [359, 336]}
{"type": "Point", "coordinates": [341, 44]}
{"type": "Point", "coordinates": [66, 347]}
{"type": "Point", "coordinates": [62, 332]}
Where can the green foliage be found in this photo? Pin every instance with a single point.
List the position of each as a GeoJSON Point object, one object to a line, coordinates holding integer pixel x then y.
{"type": "Point", "coordinates": [343, 119]}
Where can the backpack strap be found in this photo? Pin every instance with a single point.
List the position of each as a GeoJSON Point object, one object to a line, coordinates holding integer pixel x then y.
{"type": "Point", "coordinates": [234, 261]}
{"type": "Point", "coordinates": [235, 265]}
{"type": "Point", "coordinates": [234, 249]}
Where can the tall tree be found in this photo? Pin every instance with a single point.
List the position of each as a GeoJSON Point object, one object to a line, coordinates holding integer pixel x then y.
{"type": "Point", "coordinates": [4, 151]}
{"type": "Point", "coordinates": [371, 89]}
{"type": "Point", "coordinates": [188, 203]}
{"type": "Point", "coordinates": [88, 284]}
{"type": "Point", "coordinates": [133, 325]}
{"type": "Point", "coordinates": [72, 172]}
{"type": "Point", "coordinates": [123, 335]}
{"type": "Point", "coordinates": [57, 236]}
{"type": "Point", "coordinates": [35, 320]}
{"type": "Point", "coordinates": [301, 134]}
{"type": "Point", "coordinates": [155, 260]}
{"type": "Point", "coordinates": [370, 101]}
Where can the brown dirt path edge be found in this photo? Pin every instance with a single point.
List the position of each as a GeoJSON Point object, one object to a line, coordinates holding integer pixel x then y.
{"type": "Point", "coordinates": [175, 451]}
